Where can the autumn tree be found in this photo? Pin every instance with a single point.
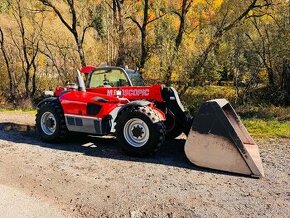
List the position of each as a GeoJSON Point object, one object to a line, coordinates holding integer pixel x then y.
{"type": "Point", "coordinates": [60, 58]}
{"type": "Point", "coordinates": [226, 21]}
{"type": "Point", "coordinates": [73, 25]}
{"type": "Point", "coordinates": [181, 14]}
{"type": "Point", "coordinates": [182, 43]}
{"type": "Point", "coordinates": [26, 43]}
{"type": "Point", "coordinates": [148, 17]}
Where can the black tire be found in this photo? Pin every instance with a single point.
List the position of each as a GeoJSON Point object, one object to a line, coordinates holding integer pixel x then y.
{"type": "Point", "coordinates": [137, 116]}
{"type": "Point", "coordinates": [60, 131]}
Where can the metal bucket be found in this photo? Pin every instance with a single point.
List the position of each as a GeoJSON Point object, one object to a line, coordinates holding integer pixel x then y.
{"type": "Point", "coordinates": [219, 140]}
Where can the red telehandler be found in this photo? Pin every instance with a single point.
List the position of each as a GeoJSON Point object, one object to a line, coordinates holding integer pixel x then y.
{"type": "Point", "coordinates": [114, 100]}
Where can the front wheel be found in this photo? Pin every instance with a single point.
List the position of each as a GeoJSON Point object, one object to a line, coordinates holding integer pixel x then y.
{"type": "Point", "coordinates": [50, 122]}
{"type": "Point", "coordinates": [140, 131]}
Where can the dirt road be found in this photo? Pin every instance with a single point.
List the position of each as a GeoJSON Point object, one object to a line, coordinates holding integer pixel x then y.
{"type": "Point", "coordinates": [91, 177]}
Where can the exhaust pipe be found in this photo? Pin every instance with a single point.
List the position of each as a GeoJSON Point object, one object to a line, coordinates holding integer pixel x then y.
{"type": "Point", "coordinates": [219, 140]}
{"type": "Point", "coordinates": [81, 83]}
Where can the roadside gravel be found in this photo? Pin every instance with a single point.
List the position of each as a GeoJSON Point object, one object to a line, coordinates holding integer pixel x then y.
{"type": "Point", "coordinates": [91, 177]}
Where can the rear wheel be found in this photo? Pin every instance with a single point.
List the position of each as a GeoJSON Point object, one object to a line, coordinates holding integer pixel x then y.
{"type": "Point", "coordinates": [140, 131]}
{"type": "Point", "coordinates": [50, 122]}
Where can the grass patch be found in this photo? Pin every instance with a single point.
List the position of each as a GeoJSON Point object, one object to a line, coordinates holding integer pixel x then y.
{"type": "Point", "coordinates": [267, 128]}
{"type": "Point", "coordinates": [11, 111]}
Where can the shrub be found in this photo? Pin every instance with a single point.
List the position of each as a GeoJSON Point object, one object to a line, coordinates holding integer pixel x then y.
{"type": "Point", "coordinates": [266, 112]}
{"type": "Point", "coordinates": [195, 96]}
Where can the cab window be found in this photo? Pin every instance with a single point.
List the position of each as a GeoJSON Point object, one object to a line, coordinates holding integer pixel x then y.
{"type": "Point", "coordinates": [108, 78]}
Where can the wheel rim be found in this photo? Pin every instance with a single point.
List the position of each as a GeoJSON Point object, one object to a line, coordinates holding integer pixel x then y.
{"type": "Point", "coordinates": [136, 132]}
{"type": "Point", "coordinates": [48, 123]}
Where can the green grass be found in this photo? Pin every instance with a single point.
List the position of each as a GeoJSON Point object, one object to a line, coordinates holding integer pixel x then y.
{"type": "Point", "coordinates": [11, 111]}
{"type": "Point", "coordinates": [267, 128]}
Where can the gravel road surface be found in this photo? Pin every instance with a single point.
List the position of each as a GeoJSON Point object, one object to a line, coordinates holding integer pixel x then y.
{"type": "Point", "coordinates": [91, 177]}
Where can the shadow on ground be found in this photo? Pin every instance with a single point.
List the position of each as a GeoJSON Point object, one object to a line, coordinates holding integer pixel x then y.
{"type": "Point", "coordinates": [171, 153]}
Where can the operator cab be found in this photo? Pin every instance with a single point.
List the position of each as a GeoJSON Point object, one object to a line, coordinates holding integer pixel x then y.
{"type": "Point", "coordinates": [113, 77]}
{"type": "Point", "coordinates": [135, 77]}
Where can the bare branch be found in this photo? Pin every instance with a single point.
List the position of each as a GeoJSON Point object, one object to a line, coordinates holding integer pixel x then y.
{"type": "Point", "coordinates": [176, 13]}
{"type": "Point", "coordinates": [188, 6]}
{"type": "Point", "coordinates": [1, 37]}
{"type": "Point", "coordinates": [156, 18]}
{"type": "Point", "coordinates": [84, 33]}
{"type": "Point", "coordinates": [49, 4]}
{"type": "Point", "coordinates": [136, 22]}
{"type": "Point", "coordinates": [220, 32]}
{"type": "Point", "coordinates": [256, 15]}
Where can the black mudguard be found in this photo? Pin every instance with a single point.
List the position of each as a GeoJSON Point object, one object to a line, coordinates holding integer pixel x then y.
{"type": "Point", "coordinates": [174, 104]}
{"type": "Point", "coordinates": [134, 103]}
{"type": "Point", "coordinates": [49, 99]}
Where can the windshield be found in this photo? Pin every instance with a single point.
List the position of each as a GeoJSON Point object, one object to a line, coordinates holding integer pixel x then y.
{"type": "Point", "coordinates": [108, 78]}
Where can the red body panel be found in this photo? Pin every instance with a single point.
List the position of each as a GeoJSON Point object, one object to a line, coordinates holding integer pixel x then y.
{"type": "Point", "coordinates": [87, 69]}
{"type": "Point", "coordinates": [132, 93]}
{"type": "Point", "coordinates": [75, 103]}
{"type": "Point", "coordinates": [58, 90]}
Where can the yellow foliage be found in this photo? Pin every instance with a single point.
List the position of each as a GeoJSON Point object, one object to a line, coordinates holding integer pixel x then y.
{"type": "Point", "coordinates": [263, 76]}
{"type": "Point", "coordinates": [217, 3]}
{"type": "Point", "coordinates": [41, 59]}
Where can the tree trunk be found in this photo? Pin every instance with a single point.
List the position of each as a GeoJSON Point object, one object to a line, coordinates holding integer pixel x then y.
{"type": "Point", "coordinates": [270, 76]}
{"type": "Point", "coordinates": [182, 19]}
{"type": "Point", "coordinates": [144, 49]}
{"type": "Point", "coordinates": [81, 53]}
{"type": "Point", "coordinates": [119, 19]}
{"type": "Point", "coordinates": [8, 68]}
{"type": "Point", "coordinates": [27, 91]}
{"type": "Point", "coordinates": [286, 81]}
{"type": "Point", "coordinates": [33, 80]}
